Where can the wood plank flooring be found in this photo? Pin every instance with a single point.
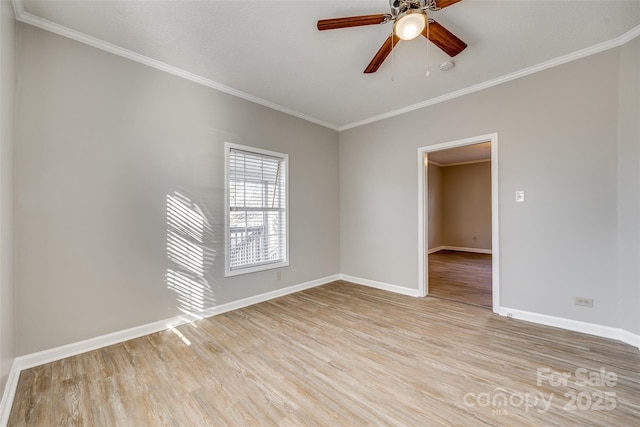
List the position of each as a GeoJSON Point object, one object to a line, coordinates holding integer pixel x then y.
{"type": "Point", "coordinates": [338, 355]}
{"type": "Point", "coordinates": [461, 276]}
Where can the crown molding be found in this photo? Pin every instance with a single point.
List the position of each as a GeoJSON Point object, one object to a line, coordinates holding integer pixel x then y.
{"type": "Point", "coordinates": [469, 162]}
{"type": "Point", "coordinates": [61, 30]}
{"type": "Point", "coordinates": [22, 16]}
{"type": "Point", "coordinates": [629, 35]}
{"type": "Point", "coordinates": [600, 47]}
{"type": "Point", "coordinates": [18, 8]}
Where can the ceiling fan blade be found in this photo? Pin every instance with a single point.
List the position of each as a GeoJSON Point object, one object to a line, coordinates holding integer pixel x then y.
{"type": "Point", "coordinates": [444, 39]}
{"type": "Point", "coordinates": [382, 54]}
{"type": "Point", "coordinates": [444, 3]}
{"type": "Point", "coordinates": [353, 21]}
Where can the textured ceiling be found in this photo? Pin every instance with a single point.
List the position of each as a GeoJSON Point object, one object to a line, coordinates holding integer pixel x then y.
{"type": "Point", "coordinates": [271, 50]}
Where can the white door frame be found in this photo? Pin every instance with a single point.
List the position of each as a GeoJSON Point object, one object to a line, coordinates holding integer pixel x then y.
{"type": "Point", "coordinates": [423, 208]}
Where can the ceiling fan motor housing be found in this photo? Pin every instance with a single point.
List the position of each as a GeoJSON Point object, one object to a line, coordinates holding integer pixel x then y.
{"type": "Point", "coordinates": [399, 7]}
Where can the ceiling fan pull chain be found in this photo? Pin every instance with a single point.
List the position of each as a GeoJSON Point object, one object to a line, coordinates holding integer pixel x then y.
{"type": "Point", "coordinates": [392, 63]}
{"type": "Point", "coordinates": [428, 43]}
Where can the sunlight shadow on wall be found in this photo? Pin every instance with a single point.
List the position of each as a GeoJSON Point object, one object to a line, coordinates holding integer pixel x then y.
{"type": "Point", "coordinates": [188, 232]}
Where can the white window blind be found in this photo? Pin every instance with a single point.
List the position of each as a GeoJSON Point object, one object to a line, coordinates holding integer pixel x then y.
{"type": "Point", "coordinates": [257, 209]}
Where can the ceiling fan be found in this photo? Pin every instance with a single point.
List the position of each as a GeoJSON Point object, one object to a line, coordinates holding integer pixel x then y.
{"type": "Point", "coordinates": [409, 21]}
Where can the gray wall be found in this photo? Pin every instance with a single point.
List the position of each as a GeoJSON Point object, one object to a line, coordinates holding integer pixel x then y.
{"type": "Point", "coordinates": [101, 143]}
{"type": "Point", "coordinates": [7, 91]}
{"type": "Point", "coordinates": [460, 205]}
{"type": "Point", "coordinates": [558, 139]}
{"type": "Point", "coordinates": [466, 210]}
{"type": "Point", "coordinates": [434, 185]}
{"type": "Point", "coordinates": [629, 187]}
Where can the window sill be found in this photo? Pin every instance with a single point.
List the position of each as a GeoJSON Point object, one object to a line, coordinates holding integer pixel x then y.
{"type": "Point", "coordinates": [255, 269]}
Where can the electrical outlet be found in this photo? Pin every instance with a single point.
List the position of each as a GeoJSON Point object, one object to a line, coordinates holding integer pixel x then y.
{"type": "Point", "coordinates": [520, 196]}
{"type": "Point", "coordinates": [510, 315]}
{"type": "Point", "coordinates": [279, 275]}
{"type": "Point", "coordinates": [584, 302]}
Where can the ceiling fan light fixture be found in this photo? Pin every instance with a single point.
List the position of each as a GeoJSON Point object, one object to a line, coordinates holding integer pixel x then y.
{"type": "Point", "coordinates": [410, 25]}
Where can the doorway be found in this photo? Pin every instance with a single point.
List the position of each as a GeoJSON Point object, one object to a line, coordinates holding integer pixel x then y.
{"type": "Point", "coordinates": [462, 249]}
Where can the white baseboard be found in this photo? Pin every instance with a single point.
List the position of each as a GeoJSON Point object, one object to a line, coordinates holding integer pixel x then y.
{"type": "Point", "coordinates": [46, 356]}
{"type": "Point", "coordinates": [9, 393]}
{"type": "Point", "coordinates": [459, 249]}
{"type": "Point", "coordinates": [574, 325]}
{"type": "Point", "coordinates": [245, 302]}
{"type": "Point", "coordinates": [57, 353]}
{"type": "Point", "coordinates": [51, 355]}
{"type": "Point", "coordinates": [381, 285]}
{"type": "Point", "coordinates": [629, 338]}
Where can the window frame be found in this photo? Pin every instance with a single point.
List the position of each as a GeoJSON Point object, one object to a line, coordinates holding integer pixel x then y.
{"type": "Point", "coordinates": [227, 222]}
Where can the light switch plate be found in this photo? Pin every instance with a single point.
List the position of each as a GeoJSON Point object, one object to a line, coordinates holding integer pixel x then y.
{"type": "Point", "coordinates": [520, 196]}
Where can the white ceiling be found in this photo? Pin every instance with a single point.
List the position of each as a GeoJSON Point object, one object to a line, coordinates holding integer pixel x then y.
{"type": "Point", "coordinates": [272, 53]}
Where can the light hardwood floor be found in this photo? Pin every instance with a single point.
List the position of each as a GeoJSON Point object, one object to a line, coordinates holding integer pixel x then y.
{"type": "Point", "coordinates": [337, 355]}
{"type": "Point", "coordinates": [461, 276]}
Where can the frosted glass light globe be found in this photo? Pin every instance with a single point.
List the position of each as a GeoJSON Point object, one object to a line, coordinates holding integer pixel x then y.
{"type": "Point", "coordinates": [410, 26]}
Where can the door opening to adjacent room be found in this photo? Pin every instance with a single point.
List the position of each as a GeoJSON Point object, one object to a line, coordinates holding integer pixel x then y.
{"type": "Point", "coordinates": [459, 221]}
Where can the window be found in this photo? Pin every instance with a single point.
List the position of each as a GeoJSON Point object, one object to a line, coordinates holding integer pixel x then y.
{"type": "Point", "coordinates": [256, 210]}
